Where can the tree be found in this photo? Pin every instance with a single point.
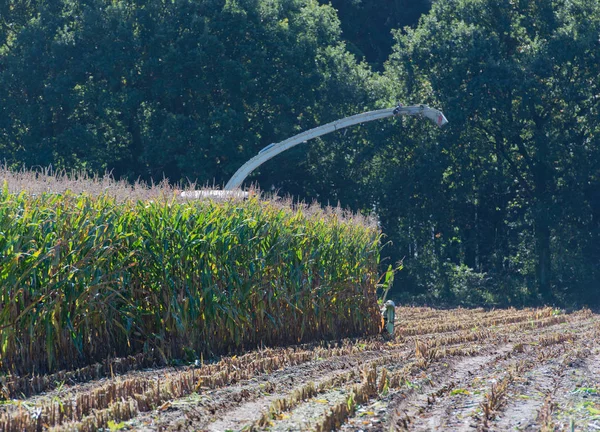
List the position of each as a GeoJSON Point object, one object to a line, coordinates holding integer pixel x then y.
{"type": "Point", "coordinates": [519, 81]}
{"type": "Point", "coordinates": [183, 89]}
{"type": "Point", "coordinates": [367, 24]}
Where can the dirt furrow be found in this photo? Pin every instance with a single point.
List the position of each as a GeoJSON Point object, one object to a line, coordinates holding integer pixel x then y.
{"type": "Point", "coordinates": [453, 402]}
{"type": "Point", "coordinates": [236, 406]}
{"type": "Point", "coordinates": [447, 404]}
{"type": "Point", "coordinates": [574, 401]}
{"type": "Point", "coordinates": [442, 411]}
{"type": "Point", "coordinates": [125, 397]}
{"type": "Point", "coordinates": [455, 370]}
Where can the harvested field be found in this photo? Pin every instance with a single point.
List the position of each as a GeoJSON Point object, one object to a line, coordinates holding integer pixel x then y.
{"type": "Point", "coordinates": [530, 369]}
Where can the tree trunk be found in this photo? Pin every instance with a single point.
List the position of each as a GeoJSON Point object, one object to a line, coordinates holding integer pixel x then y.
{"type": "Point", "coordinates": [470, 238]}
{"type": "Point", "coordinates": [544, 264]}
{"type": "Point", "coordinates": [542, 209]}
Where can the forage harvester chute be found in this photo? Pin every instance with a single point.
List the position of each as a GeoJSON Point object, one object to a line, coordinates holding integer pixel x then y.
{"type": "Point", "coordinates": [273, 150]}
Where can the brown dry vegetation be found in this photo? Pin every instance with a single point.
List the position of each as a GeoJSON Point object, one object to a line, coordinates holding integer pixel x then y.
{"type": "Point", "coordinates": [530, 369]}
{"type": "Point", "coordinates": [45, 180]}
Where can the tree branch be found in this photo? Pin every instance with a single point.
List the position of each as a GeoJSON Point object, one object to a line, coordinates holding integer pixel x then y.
{"type": "Point", "coordinates": [497, 139]}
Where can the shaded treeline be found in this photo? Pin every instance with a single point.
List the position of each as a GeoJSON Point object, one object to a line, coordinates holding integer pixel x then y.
{"type": "Point", "coordinates": [501, 206]}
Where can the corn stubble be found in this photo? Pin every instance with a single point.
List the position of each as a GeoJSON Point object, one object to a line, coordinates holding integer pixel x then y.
{"type": "Point", "coordinates": [123, 398]}
{"type": "Point", "coordinates": [85, 278]}
{"type": "Point", "coordinates": [413, 376]}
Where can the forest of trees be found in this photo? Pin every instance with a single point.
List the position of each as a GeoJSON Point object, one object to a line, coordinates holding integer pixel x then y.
{"type": "Point", "coordinates": [502, 206]}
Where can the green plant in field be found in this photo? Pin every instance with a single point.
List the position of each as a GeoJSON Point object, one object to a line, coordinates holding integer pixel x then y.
{"type": "Point", "coordinates": [113, 426]}
{"type": "Point", "coordinates": [85, 278]}
{"type": "Point", "coordinates": [388, 281]}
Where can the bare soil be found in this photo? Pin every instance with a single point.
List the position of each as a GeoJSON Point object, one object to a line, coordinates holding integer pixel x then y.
{"type": "Point", "coordinates": [447, 370]}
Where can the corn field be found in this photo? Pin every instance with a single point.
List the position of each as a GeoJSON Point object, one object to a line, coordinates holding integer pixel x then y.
{"type": "Point", "coordinates": [129, 308]}
{"type": "Point", "coordinates": [86, 278]}
{"type": "Point", "coordinates": [446, 370]}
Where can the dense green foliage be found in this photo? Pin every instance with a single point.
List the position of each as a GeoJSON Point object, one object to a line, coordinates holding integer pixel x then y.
{"type": "Point", "coordinates": [520, 163]}
{"type": "Point", "coordinates": [184, 89]}
{"type": "Point", "coordinates": [501, 206]}
{"type": "Point", "coordinates": [84, 278]}
{"type": "Point", "coordinates": [367, 24]}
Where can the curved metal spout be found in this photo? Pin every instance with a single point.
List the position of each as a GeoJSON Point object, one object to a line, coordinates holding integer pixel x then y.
{"type": "Point", "coordinates": [273, 150]}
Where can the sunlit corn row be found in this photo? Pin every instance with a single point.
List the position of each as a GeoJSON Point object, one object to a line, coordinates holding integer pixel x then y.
{"type": "Point", "coordinates": [312, 389]}
{"type": "Point", "coordinates": [515, 365]}
{"type": "Point", "coordinates": [352, 363]}
{"type": "Point", "coordinates": [545, 414]}
{"type": "Point", "coordinates": [423, 314]}
{"type": "Point", "coordinates": [527, 329]}
{"type": "Point", "coordinates": [547, 345]}
{"type": "Point", "coordinates": [359, 394]}
{"type": "Point", "coordinates": [441, 326]}
{"type": "Point", "coordinates": [375, 384]}
{"type": "Point", "coordinates": [400, 369]}
{"type": "Point", "coordinates": [522, 329]}
{"type": "Point", "coordinates": [458, 337]}
{"type": "Point", "coordinates": [501, 315]}
{"type": "Point", "coordinates": [496, 396]}
{"type": "Point", "coordinates": [123, 398]}
{"type": "Point", "coordinates": [299, 395]}
{"type": "Point", "coordinates": [468, 317]}
{"type": "Point", "coordinates": [532, 343]}
{"type": "Point", "coordinates": [538, 324]}
{"type": "Point", "coordinates": [86, 278]}
{"type": "Point", "coordinates": [527, 333]}
{"type": "Point", "coordinates": [25, 386]}
{"type": "Point", "coordinates": [376, 381]}
{"type": "Point", "coordinates": [14, 387]}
